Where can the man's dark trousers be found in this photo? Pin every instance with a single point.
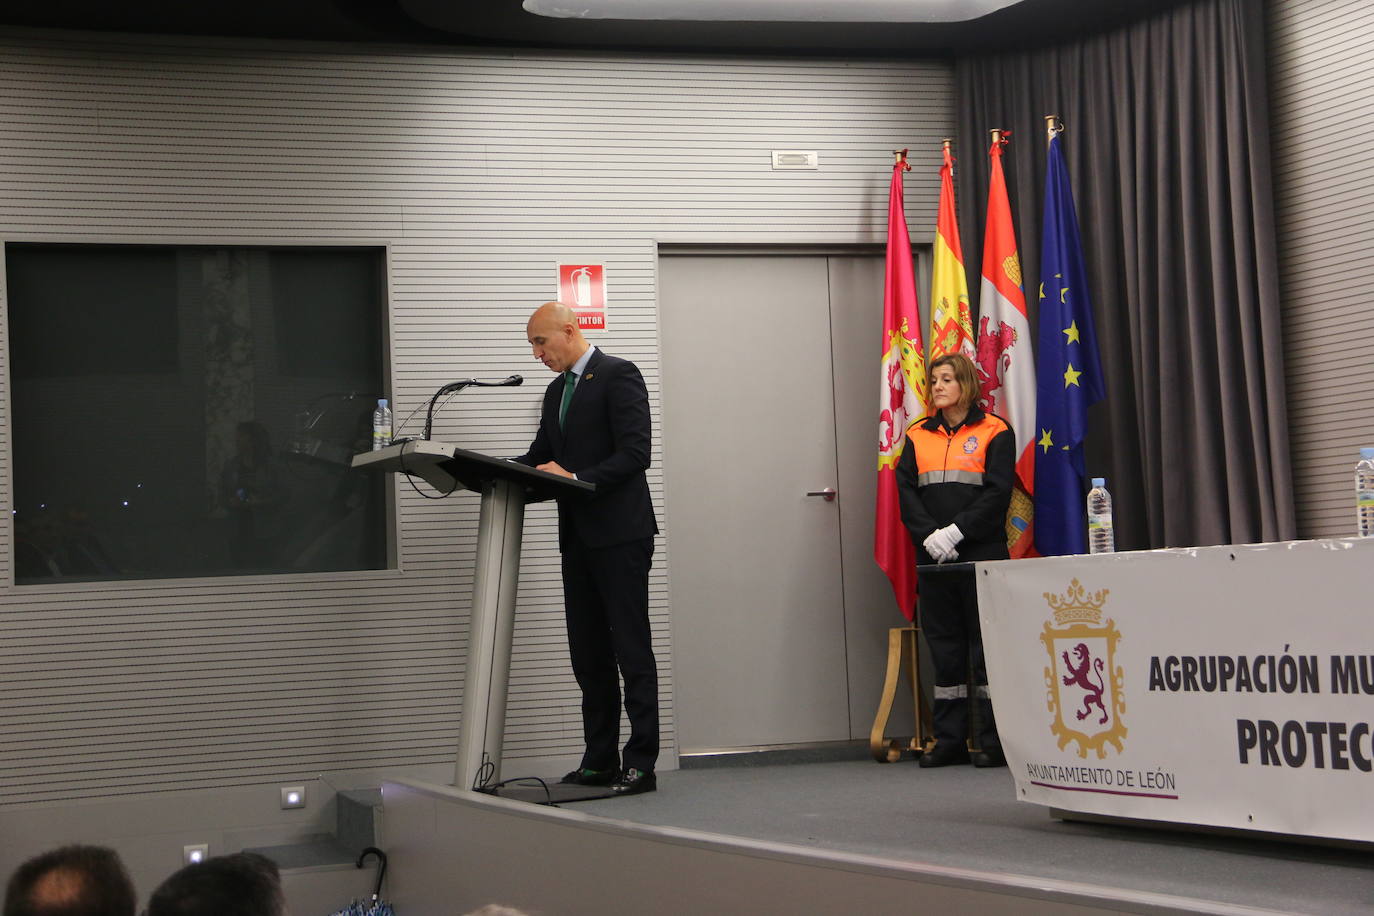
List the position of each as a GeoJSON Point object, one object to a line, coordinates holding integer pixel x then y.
{"type": "Point", "coordinates": [606, 593]}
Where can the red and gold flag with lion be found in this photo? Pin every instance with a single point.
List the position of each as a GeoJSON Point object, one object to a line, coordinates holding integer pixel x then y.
{"type": "Point", "coordinates": [902, 397]}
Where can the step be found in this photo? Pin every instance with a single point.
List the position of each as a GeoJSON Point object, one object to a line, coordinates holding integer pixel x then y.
{"type": "Point", "coordinates": [357, 813]}
{"type": "Point", "coordinates": [358, 818]}
{"type": "Point", "coordinates": [312, 852]}
{"type": "Point", "coordinates": [775, 755]}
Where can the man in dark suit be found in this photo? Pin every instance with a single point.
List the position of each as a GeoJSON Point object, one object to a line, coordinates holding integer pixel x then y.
{"type": "Point", "coordinates": [595, 427]}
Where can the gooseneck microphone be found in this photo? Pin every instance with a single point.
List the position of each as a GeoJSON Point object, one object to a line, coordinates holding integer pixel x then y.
{"type": "Point", "coordinates": [508, 380]}
{"type": "Point", "coordinates": [459, 385]}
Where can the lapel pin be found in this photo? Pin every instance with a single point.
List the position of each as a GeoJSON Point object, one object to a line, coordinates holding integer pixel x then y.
{"type": "Point", "coordinates": [589, 376]}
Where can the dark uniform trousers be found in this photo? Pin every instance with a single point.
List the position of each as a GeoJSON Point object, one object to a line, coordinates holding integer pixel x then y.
{"type": "Point", "coordinates": [606, 596]}
{"type": "Point", "coordinates": [949, 619]}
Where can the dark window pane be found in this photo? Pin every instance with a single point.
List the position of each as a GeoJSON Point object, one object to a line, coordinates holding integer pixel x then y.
{"type": "Point", "coordinates": [318, 292]}
{"type": "Point", "coordinates": [190, 411]}
{"type": "Point", "coordinates": [92, 311]}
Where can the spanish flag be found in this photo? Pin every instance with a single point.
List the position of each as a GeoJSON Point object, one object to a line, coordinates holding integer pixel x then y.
{"type": "Point", "coordinates": [951, 327]}
{"type": "Point", "coordinates": [902, 397]}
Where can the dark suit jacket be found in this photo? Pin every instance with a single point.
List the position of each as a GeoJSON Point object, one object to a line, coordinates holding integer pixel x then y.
{"type": "Point", "coordinates": [605, 440]}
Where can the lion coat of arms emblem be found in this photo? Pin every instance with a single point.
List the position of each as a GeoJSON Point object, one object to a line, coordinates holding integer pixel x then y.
{"type": "Point", "coordinates": [1084, 684]}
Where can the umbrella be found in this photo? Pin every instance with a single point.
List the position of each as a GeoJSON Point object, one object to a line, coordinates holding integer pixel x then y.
{"type": "Point", "coordinates": [376, 906]}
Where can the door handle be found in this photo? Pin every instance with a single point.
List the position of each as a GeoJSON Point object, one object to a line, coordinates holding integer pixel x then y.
{"type": "Point", "coordinates": [828, 494]}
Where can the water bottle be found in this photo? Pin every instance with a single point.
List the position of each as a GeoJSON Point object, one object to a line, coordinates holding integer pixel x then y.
{"type": "Point", "coordinates": [381, 425]}
{"type": "Point", "coordinates": [1364, 493]}
{"type": "Point", "coordinates": [1100, 536]}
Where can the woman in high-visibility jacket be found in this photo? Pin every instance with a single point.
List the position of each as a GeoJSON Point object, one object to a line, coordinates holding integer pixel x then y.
{"type": "Point", "coordinates": [955, 478]}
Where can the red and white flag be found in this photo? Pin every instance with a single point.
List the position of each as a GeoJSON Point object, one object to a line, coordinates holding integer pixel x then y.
{"type": "Point", "coordinates": [902, 398]}
{"type": "Point", "coordinates": [1006, 368]}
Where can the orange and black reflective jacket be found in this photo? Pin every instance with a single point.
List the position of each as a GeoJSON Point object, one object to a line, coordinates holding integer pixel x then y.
{"type": "Point", "coordinates": [962, 477]}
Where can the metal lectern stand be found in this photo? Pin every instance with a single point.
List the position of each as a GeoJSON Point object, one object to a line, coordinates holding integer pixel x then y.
{"type": "Point", "coordinates": [505, 487]}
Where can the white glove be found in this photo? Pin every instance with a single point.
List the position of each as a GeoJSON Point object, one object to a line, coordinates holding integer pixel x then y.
{"type": "Point", "coordinates": [942, 543]}
{"type": "Point", "coordinates": [935, 546]}
{"type": "Point", "coordinates": [954, 535]}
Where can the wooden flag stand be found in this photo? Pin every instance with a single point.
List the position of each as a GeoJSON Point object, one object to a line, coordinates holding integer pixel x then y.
{"type": "Point", "coordinates": [903, 644]}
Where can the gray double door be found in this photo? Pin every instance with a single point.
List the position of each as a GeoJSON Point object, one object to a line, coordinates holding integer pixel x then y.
{"type": "Point", "coordinates": [770, 393]}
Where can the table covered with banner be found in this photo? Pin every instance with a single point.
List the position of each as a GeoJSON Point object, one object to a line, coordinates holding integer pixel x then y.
{"type": "Point", "coordinates": [1221, 686]}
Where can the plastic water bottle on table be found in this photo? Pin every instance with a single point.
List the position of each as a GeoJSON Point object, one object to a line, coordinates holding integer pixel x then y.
{"type": "Point", "coordinates": [381, 425]}
{"type": "Point", "coordinates": [1364, 494]}
{"type": "Point", "coordinates": [1101, 538]}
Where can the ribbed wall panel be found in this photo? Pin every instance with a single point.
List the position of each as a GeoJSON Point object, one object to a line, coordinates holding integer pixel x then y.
{"type": "Point", "coordinates": [479, 171]}
{"type": "Point", "coordinates": [1320, 55]}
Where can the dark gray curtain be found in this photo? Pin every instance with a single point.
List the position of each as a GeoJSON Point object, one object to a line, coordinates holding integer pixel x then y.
{"type": "Point", "coordinates": [1167, 145]}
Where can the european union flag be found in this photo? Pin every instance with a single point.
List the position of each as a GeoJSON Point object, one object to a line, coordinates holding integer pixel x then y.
{"type": "Point", "coordinates": [1069, 377]}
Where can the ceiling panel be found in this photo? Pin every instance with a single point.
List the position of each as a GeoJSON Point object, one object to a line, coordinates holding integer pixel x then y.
{"type": "Point", "coordinates": [1028, 23]}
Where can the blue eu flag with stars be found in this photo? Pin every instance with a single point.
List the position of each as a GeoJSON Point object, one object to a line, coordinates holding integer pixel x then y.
{"type": "Point", "coordinates": [1068, 377]}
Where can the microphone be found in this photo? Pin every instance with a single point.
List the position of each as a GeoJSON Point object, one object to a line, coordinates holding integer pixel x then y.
{"type": "Point", "coordinates": [455, 386]}
{"type": "Point", "coordinates": [508, 380]}
{"type": "Point", "coordinates": [468, 382]}
{"type": "Point", "coordinates": [459, 385]}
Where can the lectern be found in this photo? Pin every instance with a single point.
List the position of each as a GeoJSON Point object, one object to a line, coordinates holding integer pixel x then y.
{"type": "Point", "coordinates": [505, 487]}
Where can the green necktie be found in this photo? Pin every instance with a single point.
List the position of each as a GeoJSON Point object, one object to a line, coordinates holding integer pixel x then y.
{"type": "Point", "coordinates": [569, 383]}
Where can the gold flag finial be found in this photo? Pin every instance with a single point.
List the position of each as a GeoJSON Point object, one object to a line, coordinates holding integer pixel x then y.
{"type": "Point", "coordinates": [1053, 127]}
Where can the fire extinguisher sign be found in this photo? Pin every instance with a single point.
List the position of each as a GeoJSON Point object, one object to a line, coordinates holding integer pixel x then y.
{"type": "Point", "coordinates": [583, 286]}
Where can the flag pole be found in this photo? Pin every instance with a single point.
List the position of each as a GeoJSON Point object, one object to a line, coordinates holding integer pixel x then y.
{"type": "Point", "coordinates": [996, 135]}
{"type": "Point", "coordinates": [900, 156]}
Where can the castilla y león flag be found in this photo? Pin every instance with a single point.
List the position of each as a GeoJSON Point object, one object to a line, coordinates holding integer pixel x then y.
{"type": "Point", "coordinates": [1006, 373]}
{"type": "Point", "coordinates": [902, 398]}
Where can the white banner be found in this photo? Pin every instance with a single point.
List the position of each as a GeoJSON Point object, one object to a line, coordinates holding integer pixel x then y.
{"type": "Point", "coordinates": [1227, 686]}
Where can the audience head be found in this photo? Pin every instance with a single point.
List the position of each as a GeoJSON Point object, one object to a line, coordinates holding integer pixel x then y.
{"type": "Point", "coordinates": [244, 884]}
{"type": "Point", "coordinates": [71, 881]}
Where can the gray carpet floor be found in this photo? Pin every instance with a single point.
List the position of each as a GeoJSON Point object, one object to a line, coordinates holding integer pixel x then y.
{"type": "Point", "coordinates": [967, 818]}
